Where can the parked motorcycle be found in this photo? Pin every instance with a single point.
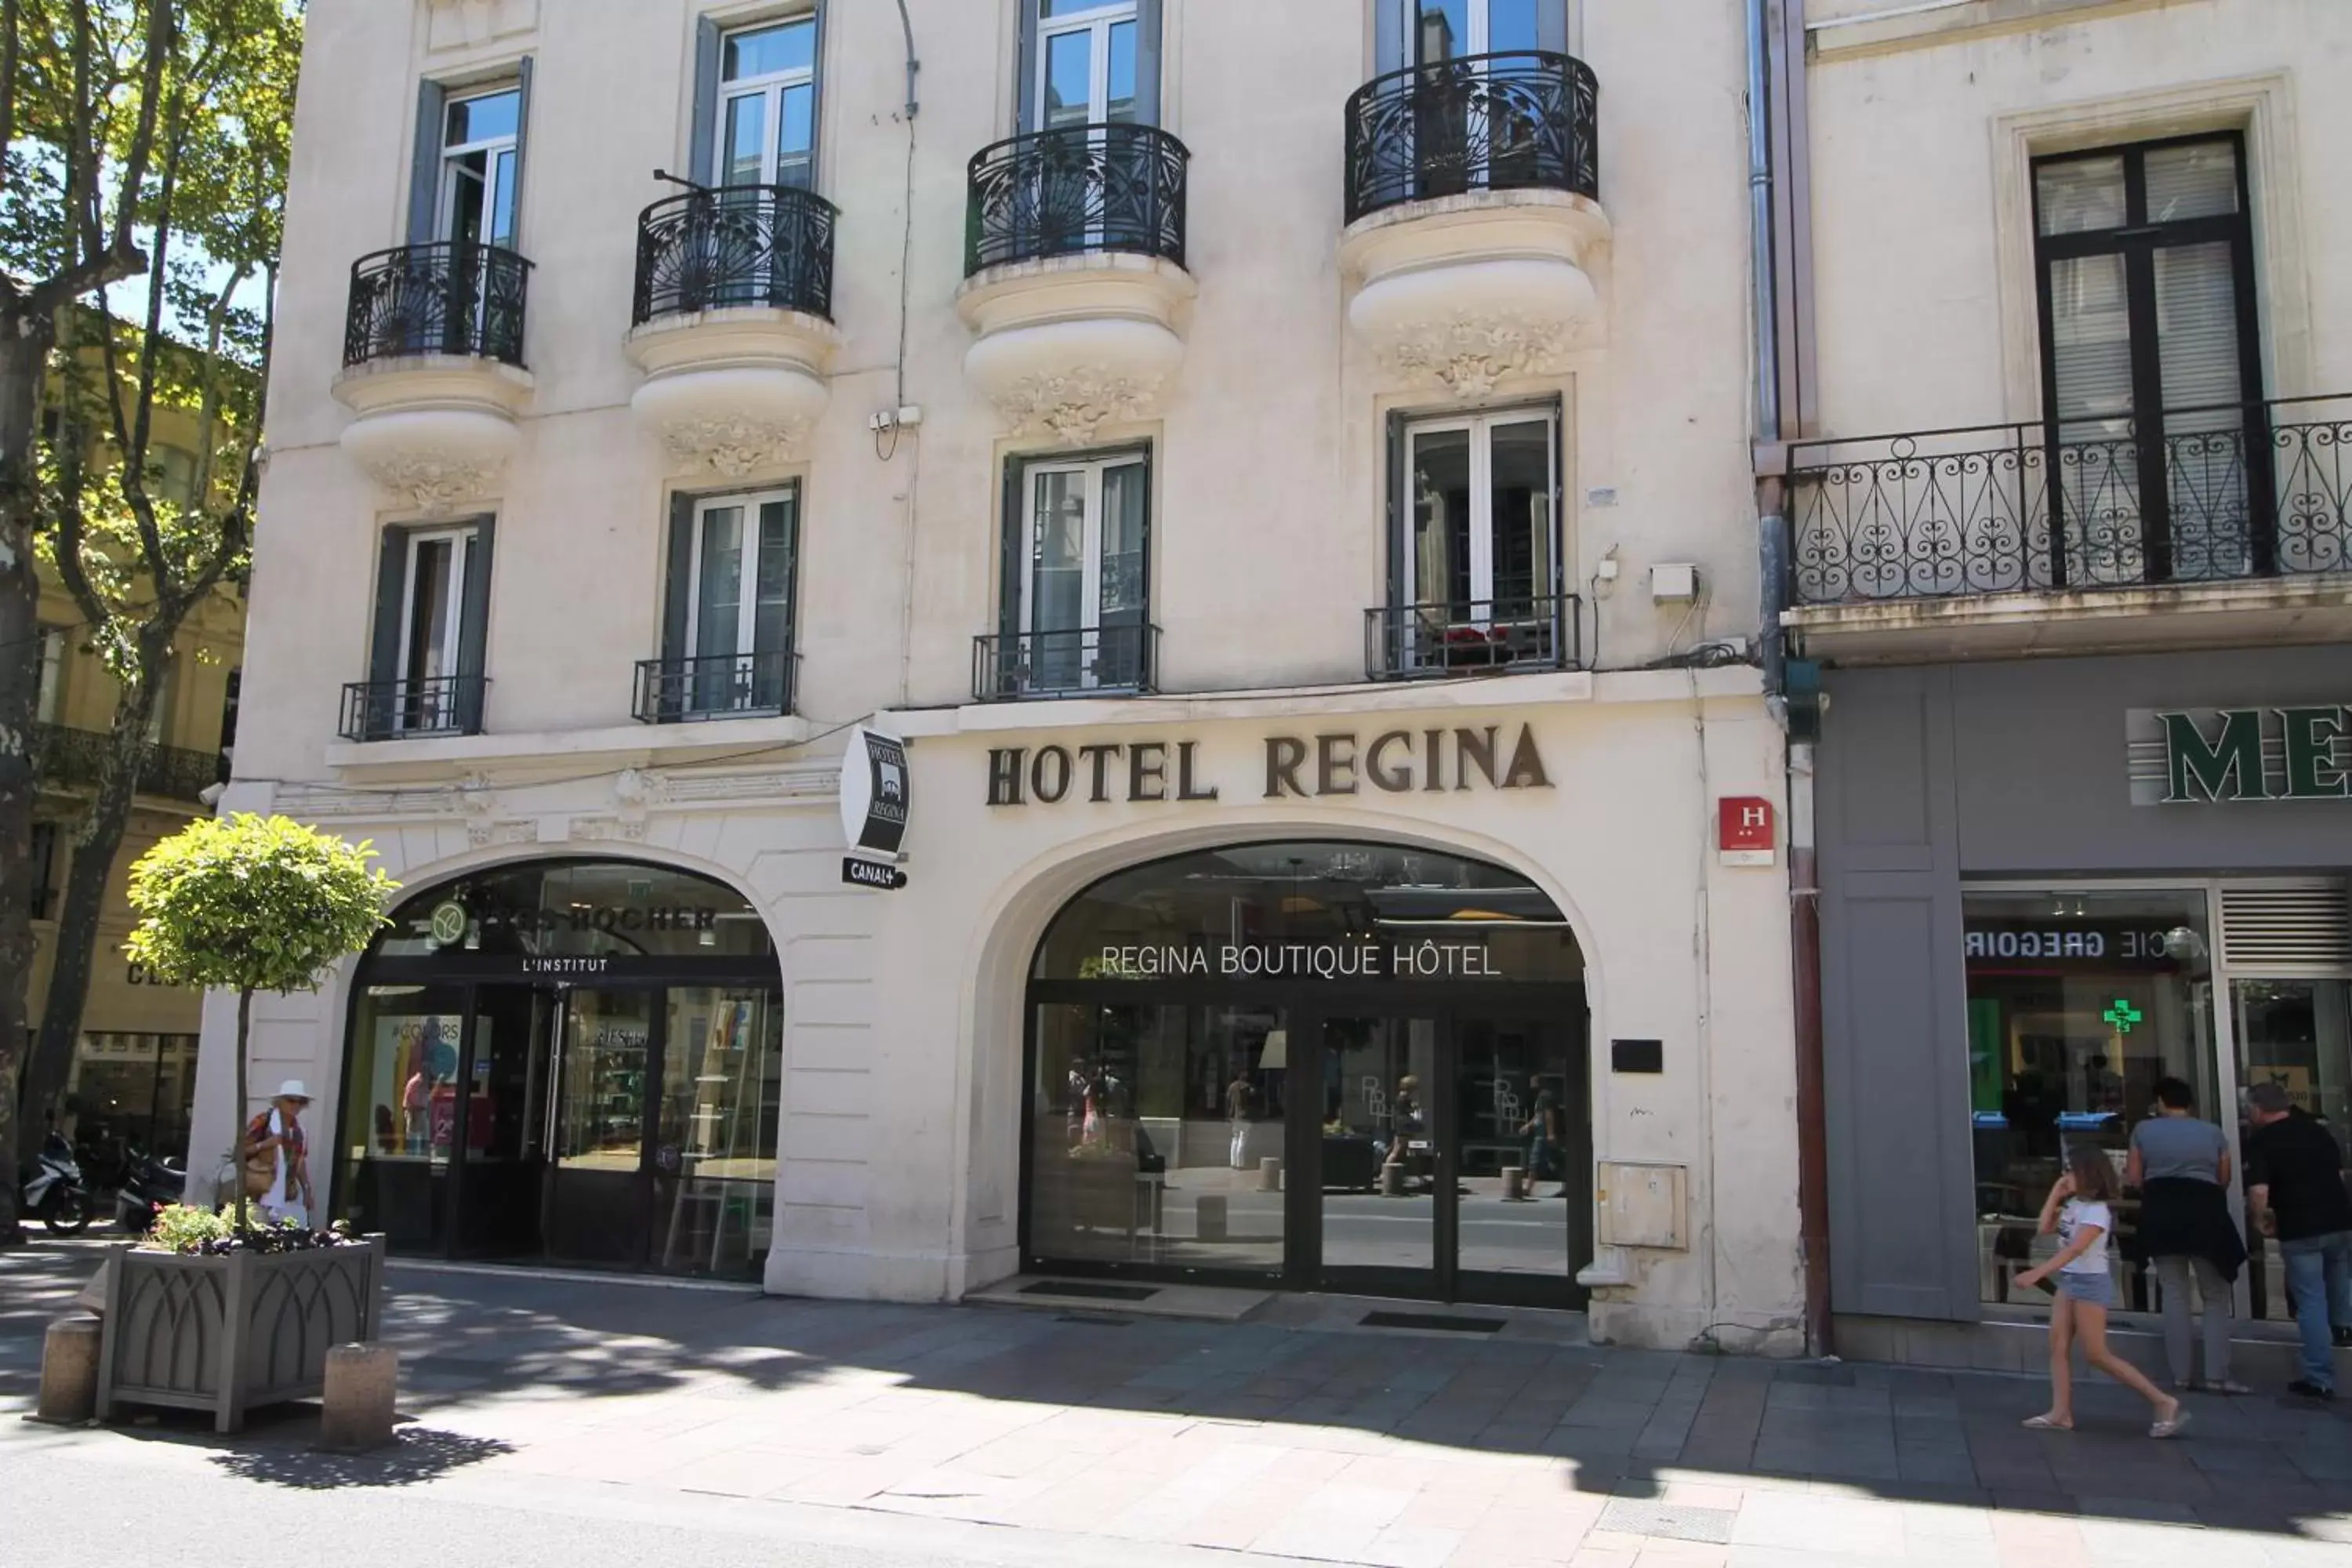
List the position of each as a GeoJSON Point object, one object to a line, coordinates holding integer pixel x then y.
{"type": "Point", "coordinates": [147, 1185]}
{"type": "Point", "coordinates": [53, 1193]}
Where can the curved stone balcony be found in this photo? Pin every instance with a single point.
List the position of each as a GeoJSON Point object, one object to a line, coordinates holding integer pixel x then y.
{"type": "Point", "coordinates": [433, 369]}
{"type": "Point", "coordinates": [1075, 283]}
{"type": "Point", "coordinates": [732, 324]}
{"type": "Point", "coordinates": [1472, 216]}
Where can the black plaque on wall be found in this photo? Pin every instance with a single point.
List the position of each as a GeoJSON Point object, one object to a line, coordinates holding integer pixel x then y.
{"type": "Point", "coordinates": [1637, 1056]}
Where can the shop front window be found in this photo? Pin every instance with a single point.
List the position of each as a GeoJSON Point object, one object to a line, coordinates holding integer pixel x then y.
{"type": "Point", "coordinates": [2078, 1002]}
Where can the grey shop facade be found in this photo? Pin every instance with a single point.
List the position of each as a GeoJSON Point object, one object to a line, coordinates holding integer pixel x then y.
{"type": "Point", "coordinates": [2043, 885]}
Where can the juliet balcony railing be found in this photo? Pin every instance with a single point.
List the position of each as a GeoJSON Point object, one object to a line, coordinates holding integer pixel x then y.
{"type": "Point", "coordinates": [451, 298]}
{"type": "Point", "coordinates": [1078, 190]}
{"type": "Point", "coordinates": [1095, 662]}
{"type": "Point", "coordinates": [743, 245]}
{"type": "Point", "coordinates": [1480, 637]}
{"type": "Point", "coordinates": [412, 709]}
{"type": "Point", "coordinates": [69, 758]}
{"type": "Point", "coordinates": [2199, 495]}
{"type": "Point", "coordinates": [1485, 122]}
{"type": "Point", "coordinates": [716, 686]}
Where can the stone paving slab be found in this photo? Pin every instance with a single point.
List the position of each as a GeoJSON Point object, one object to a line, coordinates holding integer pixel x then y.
{"type": "Point", "coordinates": [1297, 1438]}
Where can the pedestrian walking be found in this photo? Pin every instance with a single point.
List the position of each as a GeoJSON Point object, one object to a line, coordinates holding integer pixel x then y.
{"type": "Point", "coordinates": [1241, 1097]}
{"type": "Point", "coordinates": [277, 1131]}
{"type": "Point", "coordinates": [2081, 1210]}
{"type": "Point", "coordinates": [2180, 1163]}
{"type": "Point", "coordinates": [1542, 1132]}
{"type": "Point", "coordinates": [2295, 1189]}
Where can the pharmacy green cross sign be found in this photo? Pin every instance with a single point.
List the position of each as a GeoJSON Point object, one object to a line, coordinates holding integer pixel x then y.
{"type": "Point", "coordinates": [2123, 1015]}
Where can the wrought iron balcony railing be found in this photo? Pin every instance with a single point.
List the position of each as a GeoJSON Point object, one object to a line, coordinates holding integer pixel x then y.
{"type": "Point", "coordinates": [1474, 636]}
{"type": "Point", "coordinates": [1077, 189]}
{"type": "Point", "coordinates": [743, 245]}
{"type": "Point", "coordinates": [716, 686]}
{"type": "Point", "coordinates": [69, 758]}
{"type": "Point", "coordinates": [2203, 495]}
{"type": "Point", "coordinates": [1485, 122]}
{"type": "Point", "coordinates": [451, 298]}
{"type": "Point", "coordinates": [1104, 662]}
{"type": "Point", "coordinates": [412, 709]}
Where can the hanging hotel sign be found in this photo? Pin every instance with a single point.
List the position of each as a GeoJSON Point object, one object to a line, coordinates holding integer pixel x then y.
{"type": "Point", "coordinates": [2198, 755]}
{"type": "Point", "coordinates": [1393, 762]}
{"type": "Point", "coordinates": [874, 793]}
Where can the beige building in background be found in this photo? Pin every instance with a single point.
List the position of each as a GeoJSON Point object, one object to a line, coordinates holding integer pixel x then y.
{"type": "Point", "coordinates": [1280, 473]}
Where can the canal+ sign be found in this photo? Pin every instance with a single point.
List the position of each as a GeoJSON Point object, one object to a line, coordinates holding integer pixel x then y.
{"type": "Point", "coordinates": [2195, 756]}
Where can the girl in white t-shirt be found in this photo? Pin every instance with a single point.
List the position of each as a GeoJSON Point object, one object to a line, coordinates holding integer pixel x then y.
{"type": "Point", "coordinates": [2081, 1210]}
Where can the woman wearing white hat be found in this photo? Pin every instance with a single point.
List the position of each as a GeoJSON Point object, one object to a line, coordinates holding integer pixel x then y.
{"type": "Point", "coordinates": [277, 1131]}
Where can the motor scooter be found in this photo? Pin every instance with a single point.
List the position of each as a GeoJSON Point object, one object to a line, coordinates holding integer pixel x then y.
{"type": "Point", "coordinates": [148, 1183]}
{"type": "Point", "coordinates": [54, 1193]}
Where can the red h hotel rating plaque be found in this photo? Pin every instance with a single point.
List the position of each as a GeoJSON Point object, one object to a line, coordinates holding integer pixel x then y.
{"type": "Point", "coordinates": [1743, 830]}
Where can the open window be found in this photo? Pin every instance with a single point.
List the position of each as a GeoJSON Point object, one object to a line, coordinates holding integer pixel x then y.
{"type": "Point", "coordinates": [1077, 569]}
{"type": "Point", "coordinates": [726, 624]}
{"type": "Point", "coordinates": [432, 620]}
{"type": "Point", "coordinates": [1475, 579]}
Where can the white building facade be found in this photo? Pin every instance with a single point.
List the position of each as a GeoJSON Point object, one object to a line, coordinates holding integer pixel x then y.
{"type": "Point", "coordinates": [1280, 473]}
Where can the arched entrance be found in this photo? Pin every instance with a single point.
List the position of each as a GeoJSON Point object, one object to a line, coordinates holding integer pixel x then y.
{"type": "Point", "coordinates": [576, 1061]}
{"type": "Point", "coordinates": [1319, 1064]}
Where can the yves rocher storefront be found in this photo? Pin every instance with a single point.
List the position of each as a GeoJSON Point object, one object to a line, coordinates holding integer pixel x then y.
{"type": "Point", "coordinates": [576, 1061]}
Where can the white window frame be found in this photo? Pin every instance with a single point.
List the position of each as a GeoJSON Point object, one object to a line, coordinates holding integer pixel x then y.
{"type": "Point", "coordinates": [1099, 20]}
{"type": "Point", "coordinates": [446, 203]}
{"type": "Point", "coordinates": [50, 701]}
{"type": "Point", "coordinates": [1091, 545]}
{"type": "Point", "coordinates": [453, 637]}
{"type": "Point", "coordinates": [746, 609]}
{"type": "Point", "coordinates": [1480, 428]}
{"type": "Point", "coordinates": [769, 88]}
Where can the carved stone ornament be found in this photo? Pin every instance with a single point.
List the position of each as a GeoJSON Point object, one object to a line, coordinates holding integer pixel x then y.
{"type": "Point", "coordinates": [432, 485]}
{"type": "Point", "coordinates": [635, 794]}
{"type": "Point", "coordinates": [1072, 404]}
{"type": "Point", "coordinates": [732, 446]}
{"type": "Point", "coordinates": [626, 829]}
{"type": "Point", "coordinates": [1472, 354]}
{"type": "Point", "coordinates": [457, 22]}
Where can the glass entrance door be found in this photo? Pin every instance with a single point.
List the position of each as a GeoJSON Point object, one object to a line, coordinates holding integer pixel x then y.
{"type": "Point", "coordinates": [505, 1080]}
{"type": "Point", "coordinates": [1455, 1157]}
{"type": "Point", "coordinates": [598, 1198]}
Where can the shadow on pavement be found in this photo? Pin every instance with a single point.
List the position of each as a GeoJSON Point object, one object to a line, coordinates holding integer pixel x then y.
{"type": "Point", "coordinates": [1623, 1422]}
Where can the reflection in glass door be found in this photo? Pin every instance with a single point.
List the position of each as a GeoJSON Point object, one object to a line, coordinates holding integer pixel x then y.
{"type": "Point", "coordinates": [1381, 1167]}
{"type": "Point", "coordinates": [499, 1182]}
{"type": "Point", "coordinates": [1521, 1131]}
{"type": "Point", "coordinates": [597, 1202]}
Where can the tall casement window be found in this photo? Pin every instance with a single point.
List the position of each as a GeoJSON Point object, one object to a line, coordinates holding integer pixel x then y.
{"type": "Point", "coordinates": [1424, 32]}
{"type": "Point", "coordinates": [480, 167]}
{"type": "Point", "coordinates": [1474, 563]}
{"type": "Point", "coordinates": [1090, 62]}
{"type": "Point", "coordinates": [766, 120]}
{"type": "Point", "coordinates": [432, 621]}
{"type": "Point", "coordinates": [1076, 578]}
{"type": "Point", "coordinates": [727, 626]}
{"type": "Point", "coordinates": [460, 287]}
{"type": "Point", "coordinates": [51, 701]}
{"type": "Point", "coordinates": [2151, 364]}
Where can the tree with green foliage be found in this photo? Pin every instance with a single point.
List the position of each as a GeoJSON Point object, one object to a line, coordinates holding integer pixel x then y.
{"type": "Point", "coordinates": [249, 903]}
{"type": "Point", "coordinates": [139, 140]}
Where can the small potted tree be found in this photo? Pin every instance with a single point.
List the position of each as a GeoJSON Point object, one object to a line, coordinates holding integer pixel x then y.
{"type": "Point", "coordinates": [217, 1314]}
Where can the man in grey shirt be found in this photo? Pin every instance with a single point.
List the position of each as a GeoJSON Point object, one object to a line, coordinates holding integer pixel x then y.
{"type": "Point", "coordinates": [2182, 1166]}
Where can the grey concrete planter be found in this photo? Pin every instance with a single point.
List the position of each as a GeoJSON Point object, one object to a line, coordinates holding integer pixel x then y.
{"type": "Point", "coordinates": [226, 1334]}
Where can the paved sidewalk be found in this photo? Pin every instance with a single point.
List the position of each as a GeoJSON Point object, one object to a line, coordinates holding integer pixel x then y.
{"type": "Point", "coordinates": [1364, 1446]}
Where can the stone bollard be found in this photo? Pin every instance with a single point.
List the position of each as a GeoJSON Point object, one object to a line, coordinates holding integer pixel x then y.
{"type": "Point", "coordinates": [360, 1383]}
{"type": "Point", "coordinates": [1515, 1184]}
{"type": "Point", "coordinates": [1391, 1181]}
{"type": "Point", "coordinates": [68, 1373]}
{"type": "Point", "coordinates": [1208, 1217]}
{"type": "Point", "coordinates": [1269, 1175]}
